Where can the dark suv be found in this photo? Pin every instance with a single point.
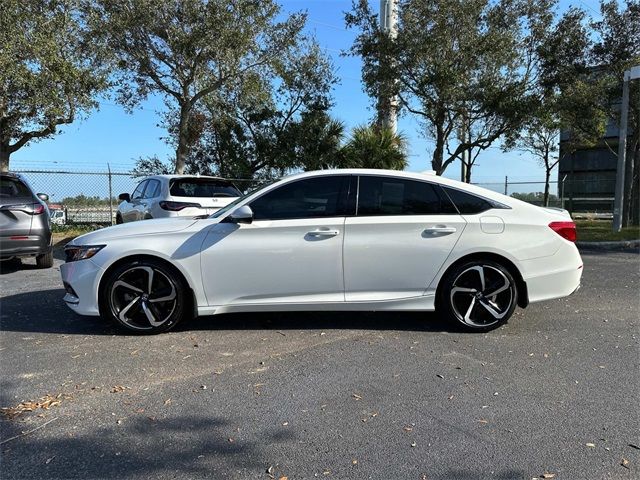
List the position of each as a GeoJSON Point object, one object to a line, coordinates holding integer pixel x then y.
{"type": "Point", "coordinates": [25, 228]}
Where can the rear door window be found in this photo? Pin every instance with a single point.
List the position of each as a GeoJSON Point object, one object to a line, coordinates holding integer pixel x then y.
{"type": "Point", "coordinates": [381, 196]}
{"type": "Point", "coordinates": [152, 190]}
{"type": "Point", "coordinates": [202, 187]}
{"type": "Point", "coordinates": [467, 203]}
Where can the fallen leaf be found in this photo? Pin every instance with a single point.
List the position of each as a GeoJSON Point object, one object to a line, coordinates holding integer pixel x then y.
{"type": "Point", "coordinates": [167, 401]}
{"type": "Point", "coordinates": [354, 462]}
{"type": "Point", "coordinates": [408, 428]}
{"type": "Point", "coordinates": [283, 478]}
{"type": "Point", "coordinates": [482, 420]}
{"type": "Point", "coordinates": [591, 445]}
{"type": "Point", "coordinates": [625, 463]}
{"type": "Point", "coordinates": [270, 470]}
{"type": "Point", "coordinates": [450, 397]}
{"type": "Point", "coordinates": [414, 444]}
{"type": "Point", "coordinates": [48, 460]}
{"type": "Point", "coordinates": [548, 475]}
{"type": "Point", "coordinates": [439, 376]}
{"type": "Point", "coordinates": [356, 396]}
{"type": "Point", "coordinates": [117, 388]}
{"type": "Point", "coordinates": [284, 424]}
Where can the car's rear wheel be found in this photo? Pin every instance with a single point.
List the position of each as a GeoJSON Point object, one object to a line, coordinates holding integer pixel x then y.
{"type": "Point", "coordinates": [144, 296]}
{"type": "Point", "coordinates": [45, 260]}
{"type": "Point", "coordinates": [478, 296]}
{"type": "Point", "coordinates": [118, 219]}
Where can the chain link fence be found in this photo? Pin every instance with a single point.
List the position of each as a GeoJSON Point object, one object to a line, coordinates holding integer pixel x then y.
{"type": "Point", "coordinates": [82, 198]}
{"type": "Point", "coordinates": [77, 198]}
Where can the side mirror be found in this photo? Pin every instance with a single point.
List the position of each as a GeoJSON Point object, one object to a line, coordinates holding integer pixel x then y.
{"type": "Point", "coordinates": [43, 196]}
{"type": "Point", "coordinates": [244, 214]}
{"type": "Point", "coordinates": [124, 197]}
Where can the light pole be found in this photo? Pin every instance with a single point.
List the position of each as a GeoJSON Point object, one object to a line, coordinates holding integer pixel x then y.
{"type": "Point", "coordinates": [388, 22]}
{"type": "Point", "coordinates": [632, 74]}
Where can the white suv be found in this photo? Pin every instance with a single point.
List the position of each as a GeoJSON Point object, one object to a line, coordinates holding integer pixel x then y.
{"type": "Point", "coordinates": [162, 196]}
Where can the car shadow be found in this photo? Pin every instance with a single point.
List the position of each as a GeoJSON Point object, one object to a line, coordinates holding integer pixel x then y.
{"type": "Point", "coordinates": [45, 312]}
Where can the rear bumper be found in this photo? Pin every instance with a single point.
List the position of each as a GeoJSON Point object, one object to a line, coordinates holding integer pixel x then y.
{"type": "Point", "coordinates": [24, 245]}
{"type": "Point", "coordinates": [552, 277]}
{"type": "Point", "coordinates": [81, 280]}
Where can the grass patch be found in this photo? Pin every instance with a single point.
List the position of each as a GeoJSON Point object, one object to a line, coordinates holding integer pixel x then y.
{"type": "Point", "coordinates": [600, 231]}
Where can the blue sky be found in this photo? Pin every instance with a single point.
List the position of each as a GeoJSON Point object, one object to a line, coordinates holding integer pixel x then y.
{"type": "Point", "coordinates": [110, 135]}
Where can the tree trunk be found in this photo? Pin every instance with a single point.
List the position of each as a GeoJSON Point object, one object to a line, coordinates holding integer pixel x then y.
{"type": "Point", "coordinates": [547, 176]}
{"type": "Point", "coordinates": [4, 158]}
{"type": "Point", "coordinates": [438, 153]}
{"type": "Point", "coordinates": [183, 138]}
{"type": "Point", "coordinates": [467, 173]}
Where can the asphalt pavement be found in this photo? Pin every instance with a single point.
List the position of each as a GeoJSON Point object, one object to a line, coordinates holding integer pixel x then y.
{"type": "Point", "coordinates": [552, 394]}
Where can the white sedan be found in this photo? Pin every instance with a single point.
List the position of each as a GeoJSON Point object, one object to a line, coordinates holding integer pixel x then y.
{"type": "Point", "coordinates": [331, 240]}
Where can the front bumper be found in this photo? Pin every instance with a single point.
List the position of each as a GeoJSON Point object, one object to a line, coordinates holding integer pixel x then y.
{"type": "Point", "coordinates": [81, 280]}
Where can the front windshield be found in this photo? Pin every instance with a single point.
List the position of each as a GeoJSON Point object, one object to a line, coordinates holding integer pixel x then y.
{"type": "Point", "coordinates": [231, 206]}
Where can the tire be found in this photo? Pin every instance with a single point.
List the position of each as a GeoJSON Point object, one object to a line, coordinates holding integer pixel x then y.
{"type": "Point", "coordinates": [478, 296]}
{"type": "Point", "coordinates": [45, 260]}
{"type": "Point", "coordinates": [118, 219]}
{"type": "Point", "coordinates": [127, 299]}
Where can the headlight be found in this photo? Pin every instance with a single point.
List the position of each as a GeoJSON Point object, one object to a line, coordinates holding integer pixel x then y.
{"type": "Point", "coordinates": [74, 253]}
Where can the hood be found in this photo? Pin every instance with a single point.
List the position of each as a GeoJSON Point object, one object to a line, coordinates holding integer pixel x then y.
{"type": "Point", "coordinates": [134, 229]}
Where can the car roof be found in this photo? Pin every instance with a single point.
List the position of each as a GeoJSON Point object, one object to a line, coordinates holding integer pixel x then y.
{"type": "Point", "coordinates": [428, 176]}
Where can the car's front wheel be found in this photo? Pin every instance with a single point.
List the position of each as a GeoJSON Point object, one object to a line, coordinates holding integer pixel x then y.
{"type": "Point", "coordinates": [145, 296]}
{"type": "Point", "coordinates": [478, 295]}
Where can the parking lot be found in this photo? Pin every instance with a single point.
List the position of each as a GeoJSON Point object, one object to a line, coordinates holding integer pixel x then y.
{"type": "Point", "coordinates": [553, 394]}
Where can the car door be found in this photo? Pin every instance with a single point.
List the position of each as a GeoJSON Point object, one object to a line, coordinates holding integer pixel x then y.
{"type": "Point", "coordinates": [402, 233]}
{"type": "Point", "coordinates": [132, 211]}
{"type": "Point", "coordinates": [151, 191]}
{"type": "Point", "coordinates": [290, 253]}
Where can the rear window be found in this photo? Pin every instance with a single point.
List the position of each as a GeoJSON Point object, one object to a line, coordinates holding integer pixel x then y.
{"type": "Point", "coordinates": [12, 187]}
{"type": "Point", "coordinates": [202, 187]}
{"type": "Point", "coordinates": [467, 203]}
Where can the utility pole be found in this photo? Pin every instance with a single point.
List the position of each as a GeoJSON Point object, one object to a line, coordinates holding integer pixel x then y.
{"type": "Point", "coordinates": [388, 107]}
{"type": "Point", "coordinates": [629, 75]}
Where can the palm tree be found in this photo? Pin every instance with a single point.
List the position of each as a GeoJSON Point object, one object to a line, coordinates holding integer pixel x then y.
{"type": "Point", "coordinates": [375, 147]}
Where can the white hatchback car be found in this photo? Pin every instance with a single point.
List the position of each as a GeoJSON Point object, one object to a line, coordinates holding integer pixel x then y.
{"type": "Point", "coordinates": [163, 196]}
{"type": "Point", "coordinates": [331, 240]}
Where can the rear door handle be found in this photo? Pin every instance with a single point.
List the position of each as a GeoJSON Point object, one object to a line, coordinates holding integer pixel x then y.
{"type": "Point", "coordinates": [323, 233]}
{"type": "Point", "coordinates": [440, 229]}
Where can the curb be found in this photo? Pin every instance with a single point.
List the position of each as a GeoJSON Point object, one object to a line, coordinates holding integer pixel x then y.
{"type": "Point", "coordinates": [621, 245]}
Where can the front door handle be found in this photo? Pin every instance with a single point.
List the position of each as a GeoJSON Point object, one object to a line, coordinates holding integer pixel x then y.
{"type": "Point", "coordinates": [323, 233]}
{"type": "Point", "coordinates": [440, 229]}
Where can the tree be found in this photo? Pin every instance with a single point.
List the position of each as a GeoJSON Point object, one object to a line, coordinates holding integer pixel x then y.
{"type": "Point", "coordinates": [50, 72]}
{"type": "Point", "coordinates": [568, 97]}
{"type": "Point", "coordinates": [273, 121]}
{"type": "Point", "coordinates": [375, 147]}
{"type": "Point", "coordinates": [616, 49]}
{"type": "Point", "coordinates": [187, 50]}
{"type": "Point", "coordinates": [455, 59]}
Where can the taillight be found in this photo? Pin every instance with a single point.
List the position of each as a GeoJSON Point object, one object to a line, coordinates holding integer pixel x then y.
{"type": "Point", "coordinates": [31, 209]}
{"type": "Point", "coordinates": [566, 230]}
{"type": "Point", "coordinates": [177, 206]}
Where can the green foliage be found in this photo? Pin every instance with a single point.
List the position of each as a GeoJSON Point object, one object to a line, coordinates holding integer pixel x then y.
{"type": "Point", "coordinates": [50, 71]}
{"type": "Point", "coordinates": [271, 122]}
{"type": "Point", "coordinates": [189, 50]}
{"type": "Point", "coordinates": [455, 63]}
{"type": "Point", "coordinates": [375, 147]}
{"type": "Point", "coordinates": [87, 201]}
